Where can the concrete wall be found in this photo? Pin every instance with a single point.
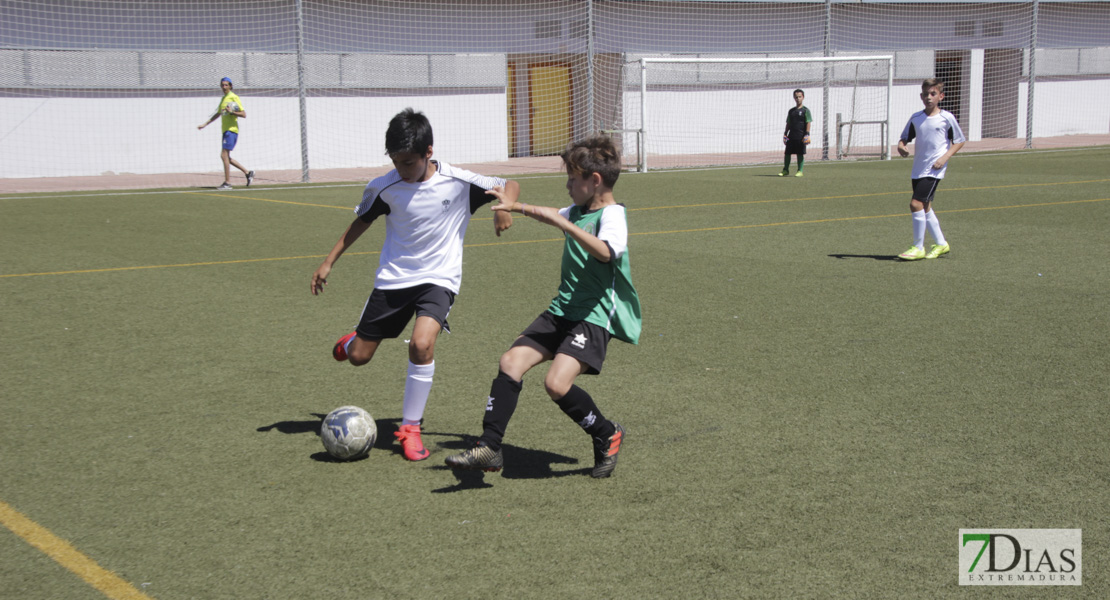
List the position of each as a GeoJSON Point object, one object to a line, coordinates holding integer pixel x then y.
{"type": "Point", "coordinates": [678, 123]}
{"type": "Point", "coordinates": [58, 137]}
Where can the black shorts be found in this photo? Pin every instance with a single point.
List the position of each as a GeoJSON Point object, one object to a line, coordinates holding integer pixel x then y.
{"type": "Point", "coordinates": [552, 334]}
{"type": "Point", "coordinates": [924, 188]}
{"type": "Point", "coordinates": [796, 147]}
{"type": "Point", "coordinates": [388, 312]}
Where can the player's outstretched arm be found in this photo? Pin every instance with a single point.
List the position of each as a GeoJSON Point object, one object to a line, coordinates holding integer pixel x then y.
{"type": "Point", "coordinates": [353, 232]}
{"type": "Point", "coordinates": [503, 220]}
{"type": "Point", "coordinates": [546, 214]}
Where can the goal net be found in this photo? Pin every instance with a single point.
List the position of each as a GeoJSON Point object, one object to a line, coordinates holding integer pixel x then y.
{"type": "Point", "coordinates": [108, 94]}
{"type": "Point", "coordinates": [695, 112]}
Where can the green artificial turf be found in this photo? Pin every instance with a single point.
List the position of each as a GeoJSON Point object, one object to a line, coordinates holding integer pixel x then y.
{"type": "Point", "coordinates": [806, 416]}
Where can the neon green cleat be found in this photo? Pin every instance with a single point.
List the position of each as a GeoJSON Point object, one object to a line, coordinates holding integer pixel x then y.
{"type": "Point", "coordinates": [913, 253]}
{"type": "Point", "coordinates": [784, 172]}
{"type": "Point", "coordinates": [798, 174]}
{"type": "Point", "coordinates": [937, 251]}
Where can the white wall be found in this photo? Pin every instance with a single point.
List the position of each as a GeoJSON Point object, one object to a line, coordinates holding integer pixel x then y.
{"type": "Point", "coordinates": [752, 121]}
{"type": "Point", "coordinates": [61, 137]}
{"type": "Point", "coordinates": [1065, 108]}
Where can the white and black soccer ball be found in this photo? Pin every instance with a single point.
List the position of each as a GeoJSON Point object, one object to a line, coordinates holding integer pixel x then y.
{"type": "Point", "coordinates": [232, 107]}
{"type": "Point", "coordinates": [348, 432]}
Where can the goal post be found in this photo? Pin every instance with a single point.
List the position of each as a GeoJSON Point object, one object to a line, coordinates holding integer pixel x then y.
{"type": "Point", "coordinates": [691, 112]}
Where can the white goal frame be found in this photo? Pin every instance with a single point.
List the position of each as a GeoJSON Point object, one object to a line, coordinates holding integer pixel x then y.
{"type": "Point", "coordinates": [642, 132]}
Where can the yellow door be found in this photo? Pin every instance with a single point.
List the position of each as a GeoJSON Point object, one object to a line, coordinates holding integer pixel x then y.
{"type": "Point", "coordinates": [549, 86]}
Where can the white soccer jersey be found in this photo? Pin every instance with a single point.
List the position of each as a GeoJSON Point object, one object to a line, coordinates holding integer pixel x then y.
{"type": "Point", "coordinates": [425, 223]}
{"type": "Point", "coordinates": [934, 135]}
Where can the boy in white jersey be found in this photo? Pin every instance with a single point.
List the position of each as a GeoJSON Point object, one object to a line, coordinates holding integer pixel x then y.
{"type": "Point", "coordinates": [427, 206]}
{"type": "Point", "coordinates": [939, 138]}
{"type": "Point", "coordinates": [596, 301]}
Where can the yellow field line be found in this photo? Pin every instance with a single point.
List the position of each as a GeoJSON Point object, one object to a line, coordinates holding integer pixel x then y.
{"type": "Point", "coordinates": [868, 195]}
{"type": "Point", "coordinates": [196, 264]}
{"type": "Point", "coordinates": [110, 584]}
{"type": "Point", "coordinates": [833, 220]}
{"type": "Point", "coordinates": [239, 197]}
{"type": "Point", "coordinates": [508, 243]}
{"type": "Point", "coordinates": [736, 203]}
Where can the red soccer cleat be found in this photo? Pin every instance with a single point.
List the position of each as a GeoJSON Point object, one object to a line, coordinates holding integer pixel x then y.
{"type": "Point", "coordinates": [409, 436]}
{"type": "Point", "coordinates": [339, 352]}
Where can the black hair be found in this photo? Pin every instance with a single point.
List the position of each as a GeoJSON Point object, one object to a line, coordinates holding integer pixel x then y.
{"type": "Point", "coordinates": [409, 131]}
{"type": "Point", "coordinates": [798, 90]}
{"type": "Point", "coordinates": [597, 154]}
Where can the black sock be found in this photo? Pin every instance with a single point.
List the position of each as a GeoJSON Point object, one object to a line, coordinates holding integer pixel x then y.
{"type": "Point", "coordinates": [579, 406]}
{"type": "Point", "coordinates": [503, 395]}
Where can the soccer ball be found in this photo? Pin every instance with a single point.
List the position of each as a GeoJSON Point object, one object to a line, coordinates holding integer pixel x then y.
{"type": "Point", "coordinates": [232, 107]}
{"type": "Point", "coordinates": [348, 432]}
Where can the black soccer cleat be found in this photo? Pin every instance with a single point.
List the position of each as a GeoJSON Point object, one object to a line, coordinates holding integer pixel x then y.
{"type": "Point", "coordinates": [479, 458]}
{"type": "Point", "coordinates": [606, 451]}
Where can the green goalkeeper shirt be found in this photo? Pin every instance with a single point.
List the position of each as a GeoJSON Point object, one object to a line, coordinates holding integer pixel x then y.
{"type": "Point", "coordinates": [597, 292]}
{"type": "Point", "coordinates": [796, 120]}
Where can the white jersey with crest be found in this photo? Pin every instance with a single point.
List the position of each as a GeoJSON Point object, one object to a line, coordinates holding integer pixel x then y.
{"type": "Point", "coordinates": [425, 223]}
{"type": "Point", "coordinates": [934, 135]}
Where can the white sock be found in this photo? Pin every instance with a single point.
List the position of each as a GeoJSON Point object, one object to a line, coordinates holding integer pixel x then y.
{"type": "Point", "coordinates": [934, 227]}
{"type": "Point", "coordinates": [919, 229]}
{"type": "Point", "coordinates": [418, 385]}
{"type": "Point", "coordinates": [347, 346]}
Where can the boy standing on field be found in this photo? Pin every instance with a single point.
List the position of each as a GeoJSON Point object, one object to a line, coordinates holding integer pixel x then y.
{"type": "Point", "coordinates": [939, 138]}
{"type": "Point", "coordinates": [596, 301]}
{"type": "Point", "coordinates": [427, 206]}
{"type": "Point", "coordinates": [796, 136]}
{"type": "Point", "coordinates": [229, 111]}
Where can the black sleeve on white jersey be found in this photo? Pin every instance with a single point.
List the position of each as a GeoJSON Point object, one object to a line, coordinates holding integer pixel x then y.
{"type": "Point", "coordinates": [479, 198]}
{"type": "Point", "coordinates": [911, 135]}
{"type": "Point", "coordinates": [377, 209]}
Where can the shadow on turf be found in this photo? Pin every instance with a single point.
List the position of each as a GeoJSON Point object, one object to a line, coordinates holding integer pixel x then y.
{"type": "Point", "coordinates": [871, 256]}
{"type": "Point", "coordinates": [384, 442]}
{"type": "Point", "coordinates": [523, 463]}
{"type": "Point", "coordinates": [520, 463]}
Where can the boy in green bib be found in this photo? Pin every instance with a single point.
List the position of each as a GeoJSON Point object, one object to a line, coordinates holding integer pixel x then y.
{"type": "Point", "coordinates": [596, 301]}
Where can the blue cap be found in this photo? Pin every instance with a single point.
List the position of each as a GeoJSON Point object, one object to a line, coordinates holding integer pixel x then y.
{"type": "Point", "coordinates": [227, 79]}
